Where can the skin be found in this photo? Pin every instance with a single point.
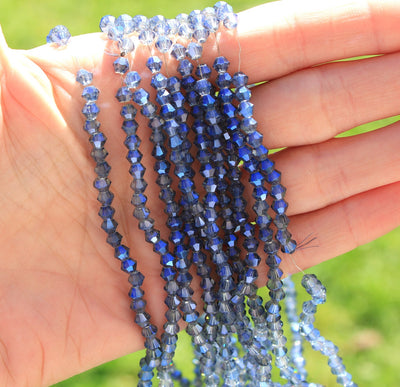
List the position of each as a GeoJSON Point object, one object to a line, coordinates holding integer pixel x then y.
{"type": "Point", "coordinates": [63, 300]}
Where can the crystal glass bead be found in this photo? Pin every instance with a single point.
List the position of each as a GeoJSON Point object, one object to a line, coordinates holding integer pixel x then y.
{"type": "Point", "coordinates": [91, 110]}
{"type": "Point", "coordinates": [59, 35]}
{"type": "Point", "coordinates": [114, 33]}
{"type": "Point", "coordinates": [126, 46]}
{"type": "Point", "coordinates": [125, 24]}
{"type": "Point", "coordinates": [128, 112]}
{"type": "Point", "coordinates": [221, 9]}
{"type": "Point", "coordinates": [154, 64]}
{"type": "Point", "coordinates": [173, 26]}
{"type": "Point", "coordinates": [106, 22]}
{"type": "Point", "coordinates": [123, 94]}
{"type": "Point", "coordinates": [147, 37]}
{"type": "Point", "coordinates": [158, 81]}
{"type": "Point", "coordinates": [140, 23]}
{"type": "Point", "coordinates": [221, 64]}
{"type": "Point", "coordinates": [185, 31]}
{"type": "Point", "coordinates": [163, 44]}
{"type": "Point", "coordinates": [90, 93]}
{"type": "Point", "coordinates": [121, 65]}
{"type": "Point", "coordinates": [201, 34]}
{"type": "Point", "coordinates": [194, 50]}
{"type": "Point", "coordinates": [178, 51]}
{"type": "Point", "coordinates": [141, 97]}
{"type": "Point", "coordinates": [230, 20]}
{"type": "Point", "coordinates": [84, 77]}
{"type": "Point", "coordinates": [132, 79]}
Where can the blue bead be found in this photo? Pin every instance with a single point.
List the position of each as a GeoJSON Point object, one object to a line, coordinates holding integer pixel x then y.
{"type": "Point", "coordinates": [114, 239]}
{"type": "Point", "coordinates": [152, 236]}
{"type": "Point", "coordinates": [163, 97]}
{"type": "Point", "coordinates": [154, 64]}
{"type": "Point", "coordinates": [256, 179]}
{"type": "Point", "coordinates": [248, 125]}
{"type": "Point", "coordinates": [207, 101]}
{"type": "Point", "coordinates": [132, 79]}
{"type": "Point", "coordinates": [106, 22]}
{"type": "Point", "coordinates": [134, 156]}
{"type": "Point", "coordinates": [90, 93]}
{"type": "Point", "coordinates": [146, 37]}
{"type": "Point", "coordinates": [141, 97]}
{"type": "Point", "coordinates": [194, 50]}
{"type": "Point", "coordinates": [167, 260]}
{"type": "Point", "coordinates": [201, 34]}
{"type": "Point", "coordinates": [245, 109]}
{"type": "Point", "coordinates": [278, 191]}
{"type": "Point", "coordinates": [137, 170]}
{"type": "Point", "coordinates": [59, 35]}
{"type": "Point", "coordinates": [140, 22]}
{"type": "Point", "coordinates": [188, 82]}
{"type": "Point", "coordinates": [167, 111]}
{"type": "Point", "coordinates": [90, 111]}
{"type": "Point", "coordinates": [101, 183]}
{"type": "Point", "coordinates": [125, 24]}
{"type": "Point", "coordinates": [178, 51]}
{"type": "Point", "coordinates": [126, 46]}
{"type": "Point", "coordinates": [203, 87]}
{"type": "Point", "coordinates": [128, 112]}
{"type": "Point", "coordinates": [84, 77]}
{"type": "Point", "coordinates": [136, 293]}
{"type": "Point", "coordinates": [123, 94]}
{"type": "Point", "coordinates": [173, 84]}
{"type": "Point", "coordinates": [221, 9]}
{"type": "Point", "coordinates": [106, 212]}
{"type": "Point", "coordinates": [139, 186]}
{"type": "Point", "coordinates": [132, 142]}
{"type": "Point", "coordinates": [128, 265]}
{"type": "Point", "coordinates": [109, 225]}
{"type": "Point", "coordinates": [121, 65]}
{"type": "Point", "coordinates": [178, 99]}
{"type": "Point", "coordinates": [230, 21]}
{"type": "Point", "coordinates": [221, 64]}
{"type": "Point", "coordinates": [163, 44]}
{"type": "Point", "coordinates": [185, 31]}
{"type": "Point", "coordinates": [121, 252]}
{"type": "Point", "coordinates": [244, 153]}
{"type": "Point", "coordinates": [223, 80]}
{"type": "Point", "coordinates": [261, 152]}
{"type": "Point", "coordinates": [98, 140]}
{"type": "Point", "coordinates": [114, 33]}
{"type": "Point", "coordinates": [185, 67]}
{"type": "Point", "coordinates": [240, 79]}
{"type": "Point", "coordinates": [255, 139]}
{"type": "Point", "coordinates": [274, 177]}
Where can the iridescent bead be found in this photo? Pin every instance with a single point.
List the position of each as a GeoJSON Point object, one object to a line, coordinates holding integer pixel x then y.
{"type": "Point", "coordinates": [91, 110]}
{"type": "Point", "coordinates": [124, 23]}
{"type": "Point", "coordinates": [173, 26]}
{"type": "Point", "coordinates": [140, 23]}
{"type": "Point", "coordinates": [90, 93]}
{"type": "Point", "coordinates": [221, 64]}
{"type": "Point", "coordinates": [84, 77]}
{"type": "Point", "coordinates": [185, 31]}
{"type": "Point", "coordinates": [230, 20]}
{"type": "Point", "coordinates": [106, 22]}
{"type": "Point", "coordinates": [158, 81]}
{"type": "Point", "coordinates": [147, 37]}
{"type": "Point", "coordinates": [59, 35]}
{"type": "Point", "coordinates": [163, 44]}
{"type": "Point", "coordinates": [221, 9]}
{"type": "Point", "coordinates": [126, 46]}
{"type": "Point", "coordinates": [132, 79]}
{"type": "Point", "coordinates": [154, 64]}
{"type": "Point", "coordinates": [123, 94]}
{"type": "Point", "coordinates": [141, 97]}
{"type": "Point", "coordinates": [121, 65]}
{"type": "Point", "coordinates": [128, 112]}
{"type": "Point", "coordinates": [194, 50]}
{"type": "Point", "coordinates": [178, 51]}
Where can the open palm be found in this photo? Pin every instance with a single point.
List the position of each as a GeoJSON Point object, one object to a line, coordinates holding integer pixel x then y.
{"type": "Point", "coordinates": [63, 300]}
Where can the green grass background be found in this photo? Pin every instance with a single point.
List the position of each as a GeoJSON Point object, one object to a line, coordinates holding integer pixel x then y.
{"type": "Point", "coordinates": [362, 315]}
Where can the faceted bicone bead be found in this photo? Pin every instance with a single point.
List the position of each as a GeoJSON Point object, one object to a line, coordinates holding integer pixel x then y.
{"type": "Point", "coordinates": [128, 112]}
{"type": "Point", "coordinates": [230, 21]}
{"type": "Point", "coordinates": [154, 64]}
{"type": "Point", "coordinates": [84, 77]}
{"type": "Point", "coordinates": [221, 64]}
{"type": "Point", "coordinates": [106, 22]}
{"type": "Point", "coordinates": [121, 65]}
{"type": "Point", "coordinates": [132, 79]}
{"type": "Point", "coordinates": [126, 46]}
{"type": "Point", "coordinates": [141, 97]}
{"type": "Point", "coordinates": [163, 44]}
{"type": "Point", "coordinates": [90, 111]}
{"type": "Point", "coordinates": [123, 94]}
{"type": "Point", "coordinates": [158, 81]}
{"type": "Point", "coordinates": [221, 9]}
{"type": "Point", "coordinates": [185, 31]}
{"type": "Point", "coordinates": [146, 37]}
{"type": "Point", "coordinates": [124, 23]}
{"type": "Point", "coordinates": [59, 35]}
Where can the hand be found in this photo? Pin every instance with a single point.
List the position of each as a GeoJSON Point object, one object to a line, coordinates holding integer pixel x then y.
{"type": "Point", "coordinates": [63, 299]}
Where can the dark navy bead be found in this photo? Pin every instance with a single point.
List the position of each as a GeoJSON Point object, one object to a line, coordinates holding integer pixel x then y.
{"type": "Point", "coordinates": [279, 206]}
{"type": "Point", "coordinates": [128, 265]}
{"type": "Point", "coordinates": [188, 82]}
{"type": "Point", "coordinates": [121, 252]}
{"type": "Point", "coordinates": [167, 260]}
{"type": "Point", "coordinates": [141, 97]}
{"type": "Point", "coordinates": [221, 64]}
{"type": "Point", "coordinates": [278, 191]}
{"type": "Point", "coordinates": [223, 80]}
{"type": "Point", "coordinates": [274, 177]}
{"type": "Point", "coordinates": [203, 87]}
{"type": "Point", "coordinates": [114, 239]}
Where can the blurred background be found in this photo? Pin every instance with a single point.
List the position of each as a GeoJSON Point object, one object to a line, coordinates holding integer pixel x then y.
{"type": "Point", "coordinates": [362, 315]}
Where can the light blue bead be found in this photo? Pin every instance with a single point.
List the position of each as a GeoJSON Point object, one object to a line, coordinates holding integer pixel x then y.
{"type": "Point", "coordinates": [106, 22]}
{"type": "Point", "coordinates": [59, 35]}
{"type": "Point", "coordinates": [90, 93]}
{"type": "Point", "coordinates": [230, 21]}
{"type": "Point", "coordinates": [147, 37]}
{"type": "Point", "coordinates": [140, 23]}
{"type": "Point", "coordinates": [84, 77]}
{"type": "Point", "coordinates": [126, 46]}
{"type": "Point", "coordinates": [163, 44]}
{"type": "Point", "coordinates": [125, 24]}
{"type": "Point", "coordinates": [194, 50]}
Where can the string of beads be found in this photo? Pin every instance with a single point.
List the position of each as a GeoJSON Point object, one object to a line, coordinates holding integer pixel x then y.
{"type": "Point", "coordinates": [239, 337]}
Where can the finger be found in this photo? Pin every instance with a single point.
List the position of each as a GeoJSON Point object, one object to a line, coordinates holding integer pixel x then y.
{"type": "Point", "coordinates": [343, 226]}
{"type": "Point", "coordinates": [280, 37]}
{"type": "Point", "coordinates": [316, 104]}
{"type": "Point", "coordinates": [319, 175]}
